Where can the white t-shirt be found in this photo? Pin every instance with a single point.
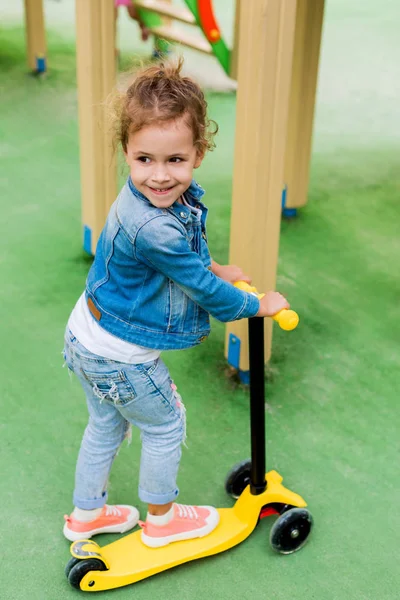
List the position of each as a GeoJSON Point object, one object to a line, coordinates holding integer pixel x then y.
{"type": "Point", "coordinates": [99, 341]}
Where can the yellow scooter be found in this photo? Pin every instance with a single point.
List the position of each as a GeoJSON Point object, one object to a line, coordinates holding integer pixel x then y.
{"type": "Point", "coordinates": [258, 495]}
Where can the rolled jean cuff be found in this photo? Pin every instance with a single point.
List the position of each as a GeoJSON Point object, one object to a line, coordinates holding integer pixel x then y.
{"type": "Point", "coordinates": [92, 503]}
{"type": "Point", "coordinates": [150, 498]}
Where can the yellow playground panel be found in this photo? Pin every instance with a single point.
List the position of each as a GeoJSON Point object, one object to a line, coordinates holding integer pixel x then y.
{"type": "Point", "coordinates": [275, 62]}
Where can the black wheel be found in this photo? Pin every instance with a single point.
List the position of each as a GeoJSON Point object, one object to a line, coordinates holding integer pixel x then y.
{"type": "Point", "coordinates": [238, 479]}
{"type": "Point", "coordinates": [291, 530]}
{"type": "Point", "coordinates": [71, 563]}
{"type": "Point", "coordinates": [78, 571]}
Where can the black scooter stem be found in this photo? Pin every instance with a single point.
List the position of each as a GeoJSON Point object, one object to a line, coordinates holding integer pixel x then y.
{"type": "Point", "coordinates": [257, 404]}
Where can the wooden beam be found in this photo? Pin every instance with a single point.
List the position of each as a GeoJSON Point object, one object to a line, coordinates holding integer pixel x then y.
{"type": "Point", "coordinates": [35, 36]}
{"type": "Point", "coordinates": [108, 81]}
{"type": "Point", "coordinates": [96, 75]}
{"type": "Point", "coordinates": [235, 48]}
{"type": "Point", "coordinates": [302, 100]}
{"type": "Point", "coordinates": [165, 9]}
{"type": "Point", "coordinates": [264, 70]}
{"type": "Point", "coordinates": [175, 35]}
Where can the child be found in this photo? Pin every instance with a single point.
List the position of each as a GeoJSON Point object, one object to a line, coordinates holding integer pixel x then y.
{"type": "Point", "coordinates": [151, 287]}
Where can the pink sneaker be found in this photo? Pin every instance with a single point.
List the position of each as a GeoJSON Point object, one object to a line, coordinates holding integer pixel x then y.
{"type": "Point", "coordinates": [112, 519]}
{"type": "Point", "coordinates": [188, 522]}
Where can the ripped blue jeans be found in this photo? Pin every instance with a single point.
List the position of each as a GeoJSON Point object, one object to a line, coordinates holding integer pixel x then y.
{"type": "Point", "coordinates": [119, 395]}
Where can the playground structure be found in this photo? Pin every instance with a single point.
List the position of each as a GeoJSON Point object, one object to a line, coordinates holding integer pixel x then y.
{"type": "Point", "coordinates": [158, 16]}
{"type": "Point", "coordinates": [274, 59]}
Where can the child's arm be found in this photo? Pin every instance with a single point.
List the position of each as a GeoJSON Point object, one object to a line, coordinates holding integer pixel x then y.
{"type": "Point", "coordinates": [161, 243]}
{"type": "Point", "coordinates": [230, 273]}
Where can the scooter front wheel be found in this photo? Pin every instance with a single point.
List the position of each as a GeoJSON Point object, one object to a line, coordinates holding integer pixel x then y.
{"type": "Point", "coordinates": [76, 571]}
{"type": "Point", "coordinates": [70, 564]}
{"type": "Point", "coordinates": [238, 479]}
{"type": "Point", "coordinates": [291, 530]}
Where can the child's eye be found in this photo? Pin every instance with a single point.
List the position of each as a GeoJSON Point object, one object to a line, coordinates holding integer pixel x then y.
{"type": "Point", "coordinates": [175, 159]}
{"type": "Point", "coordinates": [144, 159]}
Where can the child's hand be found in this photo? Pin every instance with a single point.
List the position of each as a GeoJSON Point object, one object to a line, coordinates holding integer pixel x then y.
{"type": "Point", "coordinates": [272, 303]}
{"type": "Point", "coordinates": [231, 273]}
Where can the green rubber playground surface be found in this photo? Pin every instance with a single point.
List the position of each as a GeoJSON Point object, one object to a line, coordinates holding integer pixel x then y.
{"type": "Point", "coordinates": [333, 385]}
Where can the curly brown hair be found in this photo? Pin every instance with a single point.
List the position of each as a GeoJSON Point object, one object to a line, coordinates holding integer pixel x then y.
{"type": "Point", "coordinates": [160, 93]}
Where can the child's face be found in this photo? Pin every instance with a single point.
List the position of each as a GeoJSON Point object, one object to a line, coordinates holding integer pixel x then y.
{"type": "Point", "coordinates": [161, 158]}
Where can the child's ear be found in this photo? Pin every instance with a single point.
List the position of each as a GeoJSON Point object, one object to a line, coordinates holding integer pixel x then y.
{"type": "Point", "coordinates": [199, 159]}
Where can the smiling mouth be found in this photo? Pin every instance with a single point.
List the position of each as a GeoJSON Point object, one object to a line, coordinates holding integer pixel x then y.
{"type": "Point", "coordinates": [160, 191]}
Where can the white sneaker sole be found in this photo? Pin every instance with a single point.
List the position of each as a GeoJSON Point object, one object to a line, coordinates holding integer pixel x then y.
{"type": "Point", "coordinates": [76, 536]}
{"type": "Point", "coordinates": [211, 523]}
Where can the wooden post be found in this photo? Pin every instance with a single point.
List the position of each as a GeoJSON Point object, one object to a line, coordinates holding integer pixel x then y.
{"type": "Point", "coordinates": [264, 71]}
{"type": "Point", "coordinates": [307, 43]}
{"type": "Point", "coordinates": [96, 74]}
{"type": "Point", "coordinates": [235, 47]}
{"type": "Point", "coordinates": [35, 36]}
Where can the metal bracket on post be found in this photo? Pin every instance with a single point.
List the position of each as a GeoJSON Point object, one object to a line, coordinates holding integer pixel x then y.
{"type": "Point", "coordinates": [234, 351]}
{"type": "Point", "coordinates": [287, 212]}
{"type": "Point", "coordinates": [234, 358]}
{"type": "Point", "coordinates": [41, 65]}
{"type": "Point", "coordinates": [87, 240]}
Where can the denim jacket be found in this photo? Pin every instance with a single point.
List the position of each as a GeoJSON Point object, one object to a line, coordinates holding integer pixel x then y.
{"type": "Point", "coordinates": [151, 281]}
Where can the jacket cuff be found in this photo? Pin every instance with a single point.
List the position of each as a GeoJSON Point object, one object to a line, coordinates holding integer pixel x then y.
{"type": "Point", "coordinates": [250, 308]}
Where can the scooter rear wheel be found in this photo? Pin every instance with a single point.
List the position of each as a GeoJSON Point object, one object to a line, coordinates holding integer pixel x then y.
{"type": "Point", "coordinates": [238, 479]}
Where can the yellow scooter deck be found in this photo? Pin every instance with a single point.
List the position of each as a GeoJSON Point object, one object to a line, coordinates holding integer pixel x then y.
{"type": "Point", "coordinates": [128, 560]}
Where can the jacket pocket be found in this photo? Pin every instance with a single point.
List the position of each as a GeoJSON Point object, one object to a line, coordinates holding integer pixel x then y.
{"type": "Point", "coordinates": [178, 302]}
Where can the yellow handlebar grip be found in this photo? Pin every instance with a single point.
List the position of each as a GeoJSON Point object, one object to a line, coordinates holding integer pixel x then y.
{"type": "Point", "coordinates": [245, 287]}
{"type": "Point", "coordinates": [286, 319]}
